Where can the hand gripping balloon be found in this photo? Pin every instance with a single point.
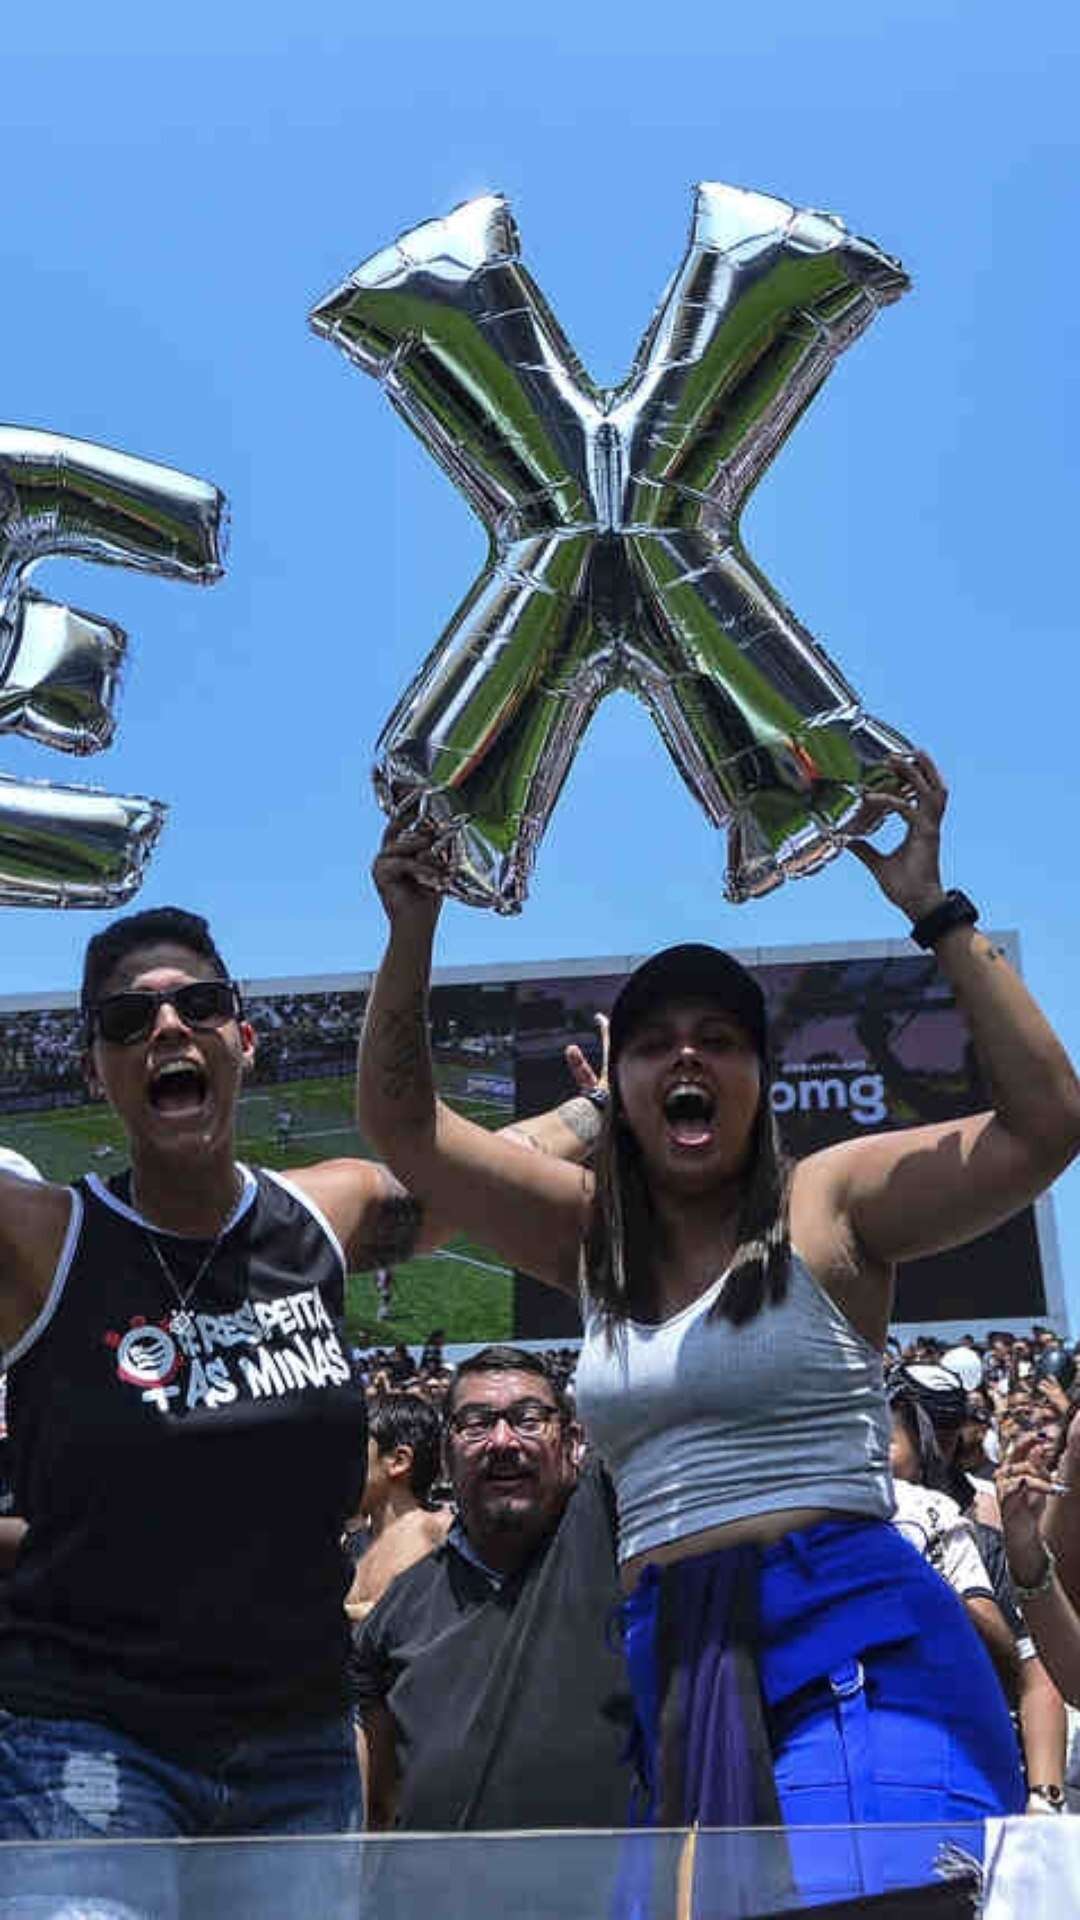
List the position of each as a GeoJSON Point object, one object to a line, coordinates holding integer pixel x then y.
{"type": "Point", "coordinates": [59, 668]}
{"type": "Point", "coordinates": [615, 552]}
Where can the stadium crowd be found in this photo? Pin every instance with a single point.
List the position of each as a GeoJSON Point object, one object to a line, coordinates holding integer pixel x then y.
{"type": "Point", "coordinates": [40, 1056]}
{"type": "Point", "coordinates": [958, 1410]}
{"type": "Point", "coordinates": [304, 1033]}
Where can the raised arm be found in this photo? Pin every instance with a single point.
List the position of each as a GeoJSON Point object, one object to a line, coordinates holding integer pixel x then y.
{"type": "Point", "coordinates": [1023, 1490]}
{"type": "Point", "coordinates": [380, 1223]}
{"type": "Point", "coordinates": [1061, 1517]}
{"type": "Point", "coordinates": [922, 1189]}
{"type": "Point", "coordinates": [529, 1207]}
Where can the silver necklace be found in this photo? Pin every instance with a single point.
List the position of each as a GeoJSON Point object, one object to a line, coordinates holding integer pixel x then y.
{"type": "Point", "coordinates": [181, 1321]}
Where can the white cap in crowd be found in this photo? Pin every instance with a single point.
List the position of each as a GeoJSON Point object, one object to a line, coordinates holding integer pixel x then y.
{"type": "Point", "coordinates": [12, 1162]}
{"type": "Point", "coordinates": [967, 1366]}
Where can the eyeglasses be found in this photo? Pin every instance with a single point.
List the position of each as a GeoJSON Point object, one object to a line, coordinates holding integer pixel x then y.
{"type": "Point", "coordinates": [122, 1018]}
{"type": "Point", "coordinates": [529, 1418]}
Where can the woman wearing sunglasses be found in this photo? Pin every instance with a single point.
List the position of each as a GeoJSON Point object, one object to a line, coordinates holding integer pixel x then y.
{"type": "Point", "coordinates": [791, 1656]}
{"type": "Point", "coordinates": [188, 1436]}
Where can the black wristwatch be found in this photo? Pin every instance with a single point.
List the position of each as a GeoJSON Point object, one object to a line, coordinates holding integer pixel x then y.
{"type": "Point", "coordinates": [1052, 1797]}
{"type": "Point", "coordinates": [956, 910]}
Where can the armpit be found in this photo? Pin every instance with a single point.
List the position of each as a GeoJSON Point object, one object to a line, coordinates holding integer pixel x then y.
{"type": "Point", "coordinates": [390, 1229]}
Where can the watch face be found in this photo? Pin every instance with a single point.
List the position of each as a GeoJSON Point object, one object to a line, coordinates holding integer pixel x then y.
{"type": "Point", "coordinates": [1050, 1797]}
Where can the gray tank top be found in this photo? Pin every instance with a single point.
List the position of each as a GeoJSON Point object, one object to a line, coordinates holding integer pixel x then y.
{"type": "Point", "coordinates": [701, 1422]}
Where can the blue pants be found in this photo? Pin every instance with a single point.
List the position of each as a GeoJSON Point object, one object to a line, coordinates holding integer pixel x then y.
{"type": "Point", "coordinates": [881, 1705]}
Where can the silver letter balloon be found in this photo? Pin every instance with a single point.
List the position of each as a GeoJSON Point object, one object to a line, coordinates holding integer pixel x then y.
{"type": "Point", "coordinates": [613, 515]}
{"type": "Point", "coordinates": [67, 846]}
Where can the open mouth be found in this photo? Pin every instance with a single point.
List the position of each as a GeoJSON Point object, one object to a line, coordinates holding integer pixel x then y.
{"type": "Point", "coordinates": [688, 1111]}
{"type": "Point", "coordinates": [178, 1087]}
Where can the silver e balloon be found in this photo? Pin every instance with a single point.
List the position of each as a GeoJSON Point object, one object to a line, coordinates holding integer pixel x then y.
{"type": "Point", "coordinates": [613, 515]}
{"type": "Point", "coordinates": [63, 846]}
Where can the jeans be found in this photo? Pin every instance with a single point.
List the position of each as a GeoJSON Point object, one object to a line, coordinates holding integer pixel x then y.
{"type": "Point", "coordinates": [83, 1780]}
{"type": "Point", "coordinates": [80, 1780]}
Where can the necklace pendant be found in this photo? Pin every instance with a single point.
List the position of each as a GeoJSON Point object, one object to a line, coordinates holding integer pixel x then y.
{"type": "Point", "coordinates": [182, 1323]}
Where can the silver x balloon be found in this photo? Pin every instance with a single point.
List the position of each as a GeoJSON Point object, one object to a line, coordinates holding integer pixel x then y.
{"type": "Point", "coordinates": [60, 668]}
{"type": "Point", "coordinates": [614, 522]}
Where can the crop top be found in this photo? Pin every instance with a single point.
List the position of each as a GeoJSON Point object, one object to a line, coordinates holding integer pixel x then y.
{"type": "Point", "coordinates": [701, 1422]}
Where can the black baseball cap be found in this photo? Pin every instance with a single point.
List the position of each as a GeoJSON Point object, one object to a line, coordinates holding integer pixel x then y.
{"type": "Point", "coordinates": [690, 972]}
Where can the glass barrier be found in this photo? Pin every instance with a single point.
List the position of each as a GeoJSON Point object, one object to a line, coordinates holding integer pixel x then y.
{"type": "Point", "coordinates": [708, 1874]}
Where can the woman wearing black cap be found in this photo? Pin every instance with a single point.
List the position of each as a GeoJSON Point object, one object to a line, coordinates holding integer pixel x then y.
{"type": "Point", "coordinates": [730, 1372]}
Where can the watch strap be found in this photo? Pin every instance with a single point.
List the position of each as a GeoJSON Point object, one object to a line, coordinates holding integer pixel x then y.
{"type": "Point", "coordinates": [955, 910]}
{"type": "Point", "coordinates": [1051, 1796]}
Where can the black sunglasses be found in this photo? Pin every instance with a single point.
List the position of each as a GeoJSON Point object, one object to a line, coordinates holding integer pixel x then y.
{"type": "Point", "coordinates": [122, 1018]}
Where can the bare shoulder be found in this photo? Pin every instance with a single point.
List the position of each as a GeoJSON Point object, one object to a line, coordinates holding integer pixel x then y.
{"type": "Point", "coordinates": [34, 1219]}
{"type": "Point", "coordinates": [34, 1216]}
{"type": "Point", "coordinates": [400, 1546]}
{"type": "Point", "coordinates": [818, 1189]}
{"type": "Point", "coordinates": [374, 1217]}
{"type": "Point", "coordinates": [330, 1179]}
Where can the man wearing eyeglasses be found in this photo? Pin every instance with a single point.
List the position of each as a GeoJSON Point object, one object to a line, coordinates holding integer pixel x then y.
{"type": "Point", "coordinates": [490, 1689]}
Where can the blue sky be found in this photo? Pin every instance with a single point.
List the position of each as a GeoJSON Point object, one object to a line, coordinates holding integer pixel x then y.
{"type": "Point", "coordinates": [183, 183]}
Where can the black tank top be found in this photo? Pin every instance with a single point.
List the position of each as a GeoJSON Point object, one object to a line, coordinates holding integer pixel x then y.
{"type": "Point", "coordinates": [186, 1474]}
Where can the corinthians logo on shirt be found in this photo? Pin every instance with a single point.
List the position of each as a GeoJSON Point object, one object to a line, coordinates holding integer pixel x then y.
{"type": "Point", "coordinates": [146, 1355]}
{"type": "Point", "coordinates": [264, 1349]}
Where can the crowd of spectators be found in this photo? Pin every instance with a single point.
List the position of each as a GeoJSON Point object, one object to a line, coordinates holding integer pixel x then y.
{"type": "Point", "coordinates": [963, 1403]}
{"type": "Point", "coordinates": [40, 1057]}
{"type": "Point", "coordinates": [1011, 1379]}
{"type": "Point", "coordinates": [304, 1034]}
{"type": "Point", "coordinates": [427, 1373]}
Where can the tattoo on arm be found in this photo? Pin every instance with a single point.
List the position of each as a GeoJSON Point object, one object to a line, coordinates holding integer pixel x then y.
{"type": "Point", "coordinates": [583, 1119]}
{"type": "Point", "coordinates": [578, 1116]}
{"type": "Point", "coordinates": [389, 1233]}
{"type": "Point", "coordinates": [401, 1049]}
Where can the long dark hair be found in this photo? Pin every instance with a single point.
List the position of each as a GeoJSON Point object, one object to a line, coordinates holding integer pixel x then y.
{"type": "Point", "coordinates": [934, 1470]}
{"type": "Point", "coordinates": [620, 1244]}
